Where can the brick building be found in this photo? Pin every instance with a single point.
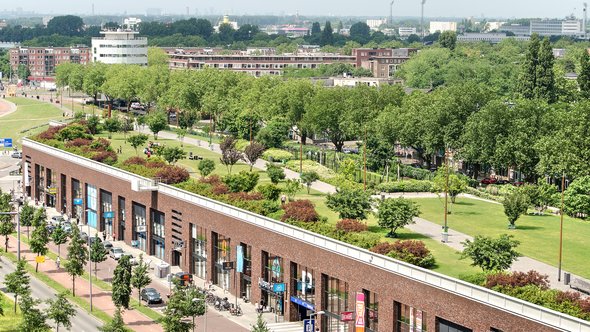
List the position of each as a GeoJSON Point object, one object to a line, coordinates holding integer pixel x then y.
{"type": "Point", "coordinates": [296, 272]}
{"type": "Point", "coordinates": [383, 62]}
{"type": "Point", "coordinates": [43, 60]}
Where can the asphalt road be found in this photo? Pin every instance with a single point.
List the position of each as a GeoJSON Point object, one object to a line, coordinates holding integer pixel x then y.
{"type": "Point", "coordinates": [82, 322]}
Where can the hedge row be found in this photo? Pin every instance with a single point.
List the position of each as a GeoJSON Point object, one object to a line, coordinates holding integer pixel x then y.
{"type": "Point", "coordinates": [407, 186]}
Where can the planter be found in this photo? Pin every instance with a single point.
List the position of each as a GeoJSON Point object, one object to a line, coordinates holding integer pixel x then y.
{"type": "Point", "coordinates": [445, 237]}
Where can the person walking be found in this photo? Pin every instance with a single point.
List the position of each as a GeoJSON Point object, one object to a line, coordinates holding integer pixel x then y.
{"type": "Point", "coordinates": [257, 308]}
{"type": "Point", "coordinates": [104, 236]}
{"type": "Point", "coordinates": [283, 199]}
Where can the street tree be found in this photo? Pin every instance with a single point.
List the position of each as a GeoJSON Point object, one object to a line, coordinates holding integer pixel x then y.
{"type": "Point", "coordinates": [229, 154]}
{"type": "Point", "coordinates": [26, 216]}
{"type": "Point", "coordinates": [137, 141]}
{"type": "Point", "coordinates": [176, 311]}
{"type": "Point", "coordinates": [452, 183]}
{"type": "Point", "coordinates": [187, 119]}
{"type": "Point", "coordinates": [59, 237]}
{"type": "Point", "coordinates": [491, 254]}
{"type": "Point", "coordinates": [515, 205]}
{"type": "Point", "coordinates": [115, 324]}
{"type": "Point", "coordinates": [180, 133]}
{"type": "Point", "coordinates": [126, 126]}
{"type": "Point", "coordinates": [33, 319]}
{"type": "Point", "coordinates": [205, 167]}
{"type": "Point", "coordinates": [260, 325]}
{"type": "Point", "coordinates": [252, 152]}
{"type": "Point", "coordinates": [18, 281]}
{"type": "Point", "coordinates": [308, 178]}
{"type": "Point", "coordinates": [40, 236]}
{"type": "Point", "coordinates": [61, 311]}
{"type": "Point", "coordinates": [350, 203]}
{"type": "Point", "coordinates": [157, 122]}
{"type": "Point", "coordinates": [112, 125]}
{"type": "Point", "coordinates": [6, 228]}
{"type": "Point", "coordinates": [292, 186]}
{"type": "Point", "coordinates": [98, 254]}
{"type": "Point", "coordinates": [140, 277]}
{"type": "Point", "coordinates": [194, 308]}
{"type": "Point", "coordinates": [77, 256]}
{"type": "Point", "coordinates": [121, 294]}
{"type": "Point", "coordinates": [94, 78]}
{"type": "Point", "coordinates": [173, 154]}
{"type": "Point", "coordinates": [394, 213]}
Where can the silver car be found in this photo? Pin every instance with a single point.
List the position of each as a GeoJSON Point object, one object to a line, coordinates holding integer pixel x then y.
{"type": "Point", "coordinates": [115, 253]}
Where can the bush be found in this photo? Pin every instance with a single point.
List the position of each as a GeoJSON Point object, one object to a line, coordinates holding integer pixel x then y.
{"type": "Point", "coordinates": [271, 206]}
{"type": "Point", "coordinates": [270, 191]}
{"type": "Point", "coordinates": [275, 172]}
{"type": "Point", "coordinates": [244, 196]}
{"type": "Point", "coordinates": [277, 155]}
{"type": "Point", "coordinates": [383, 248]}
{"type": "Point", "coordinates": [476, 279]}
{"type": "Point", "coordinates": [243, 181]}
{"type": "Point", "coordinates": [156, 164]}
{"type": "Point", "coordinates": [302, 210]}
{"type": "Point", "coordinates": [407, 186]}
{"type": "Point", "coordinates": [352, 225]}
{"type": "Point", "coordinates": [517, 279]}
{"type": "Point", "coordinates": [134, 161]}
{"type": "Point", "coordinates": [220, 190]}
{"type": "Point", "coordinates": [107, 157]}
{"type": "Point", "coordinates": [78, 142]}
{"type": "Point", "coordinates": [172, 174]}
{"type": "Point", "coordinates": [311, 166]}
{"type": "Point", "coordinates": [214, 180]}
{"type": "Point", "coordinates": [413, 252]}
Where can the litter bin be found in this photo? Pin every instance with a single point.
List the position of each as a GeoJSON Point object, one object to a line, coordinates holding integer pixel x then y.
{"type": "Point", "coordinates": [161, 269]}
{"type": "Point", "coordinates": [567, 278]}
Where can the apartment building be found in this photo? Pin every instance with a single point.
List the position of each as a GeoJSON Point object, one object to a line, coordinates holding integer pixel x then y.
{"type": "Point", "coordinates": [442, 26]}
{"type": "Point", "coordinates": [383, 62]}
{"type": "Point", "coordinates": [43, 60]}
{"type": "Point", "coordinates": [492, 38]}
{"type": "Point", "coordinates": [376, 23]}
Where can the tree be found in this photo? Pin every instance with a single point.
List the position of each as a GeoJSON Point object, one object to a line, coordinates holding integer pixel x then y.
{"type": "Point", "coordinates": [60, 311]}
{"type": "Point", "coordinates": [17, 282]}
{"type": "Point", "coordinates": [26, 215]}
{"type": "Point", "coordinates": [243, 181]}
{"type": "Point", "coordinates": [137, 141]}
{"type": "Point", "coordinates": [327, 38]}
{"type": "Point", "coordinates": [315, 28]}
{"type": "Point", "coordinates": [92, 122]}
{"type": "Point", "coordinates": [584, 76]}
{"type": "Point", "coordinates": [308, 178]}
{"type": "Point", "coordinates": [94, 78]}
{"type": "Point", "coordinates": [194, 308]}
{"type": "Point", "coordinates": [514, 205]}
{"type": "Point", "coordinates": [269, 191]}
{"type": "Point", "coordinates": [229, 154]}
{"type": "Point", "coordinates": [413, 38]}
{"type": "Point", "coordinates": [176, 311]}
{"type": "Point", "coordinates": [394, 213]}
{"type": "Point", "coordinates": [67, 25]}
{"type": "Point", "coordinates": [292, 186]}
{"type": "Point", "coordinates": [157, 57]}
{"type": "Point", "coordinates": [252, 152]}
{"type": "Point", "coordinates": [121, 294]}
{"type": "Point", "coordinates": [260, 325]}
{"type": "Point", "coordinates": [545, 77]}
{"type": "Point", "coordinates": [206, 166]}
{"type": "Point", "coordinates": [6, 228]}
{"type": "Point", "coordinates": [187, 119]}
{"type": "Point", "coordinates": [491, 254]}
{"type": "Point", "coordinates": [448, 39]}
{"type": "Point", "coordinates": [576, 199]}
{"type": "Point", "coordinates": [454, 186]}
{"type": "Point", "coordinates": [112, 125]}
{"type": "Point", "coordinates": [274, 134]}
{"type": "Point", "coordinates": [350, 203]}
{"type": "Point", "coordinates": [116, 324]}
{"type": "Point", "coordinates": [40, 236]}
{"type": "Point", "coordinates": [157, 122]}
{"type": "Point", "coordinates": [275, 172]}
{"type": "Point", "coordinates": [360, 29]}
{"type": "Point", "coordinates": [527, 80]}
{"type": "Point", "coordinates": [77, 256]}
{"type": "Point", "coordinates": [126, 126]}
{"type": "Point", "coordinates": [98, 254]}
{"type": "Point", "coordinates": [140, 277]}
{"type": "Point", "coordinates": [33, 319]}
{"type": "Point", "coordinates": [173, 154]}
{"type": "Point", "coordinates": [226, 33]}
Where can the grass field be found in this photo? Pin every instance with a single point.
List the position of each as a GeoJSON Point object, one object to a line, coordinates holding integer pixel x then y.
{"type": "Point", "coordinates": [539, 235]}
{"type": "Point", "coordinates": [10, 320]}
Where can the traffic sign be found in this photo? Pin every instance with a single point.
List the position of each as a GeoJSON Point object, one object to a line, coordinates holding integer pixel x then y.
{"type": "Point", "coordinates": [309, 325]}
{"type": "Point", "coordinates": [40, 259]}
{"type": "Point", "coordinates": [6, 142]}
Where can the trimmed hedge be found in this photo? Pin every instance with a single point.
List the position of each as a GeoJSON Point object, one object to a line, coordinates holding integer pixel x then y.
{"type": "Point", "coordinates": [407, 186]}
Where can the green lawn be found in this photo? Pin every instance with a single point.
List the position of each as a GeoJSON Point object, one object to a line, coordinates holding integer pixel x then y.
{"type": "Point", "coordinates": [10, 320]}
{"type": "Point", "coordinates": [539, 235]}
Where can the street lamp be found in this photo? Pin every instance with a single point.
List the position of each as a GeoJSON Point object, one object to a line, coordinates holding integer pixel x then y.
{"type": "Point", "coordinates": [317, 313]}
{"type": "Point", "coordinates": [204, 301]}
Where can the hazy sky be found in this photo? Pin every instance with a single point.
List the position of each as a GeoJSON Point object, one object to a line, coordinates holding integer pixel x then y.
{"type": "Point", "coordinates": [432, 8]}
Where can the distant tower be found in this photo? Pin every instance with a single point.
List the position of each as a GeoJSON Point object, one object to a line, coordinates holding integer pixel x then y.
{"type": "Point", "coordinates": [422, 20]}
{"type": "Point", "coordinates": [187, 10]}
{"type": "Point", "coordinates": [391, 13]}
{"type": "Point", "coordinates": [92, 9]}
{"type": "Point", "coordinates": [584, 25]}
{"type": "Point", "coordinates": [297, 16]}
{"type": "Point", "coordinates": [225, 16]}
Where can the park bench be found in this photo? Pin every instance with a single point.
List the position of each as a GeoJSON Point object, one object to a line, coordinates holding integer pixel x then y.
{"type": "Point", "coordinates": [580, 285]}
{"type": "Point", "coordinates": [194, 157]}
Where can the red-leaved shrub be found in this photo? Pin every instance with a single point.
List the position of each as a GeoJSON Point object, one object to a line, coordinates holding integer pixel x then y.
{"type": "Point", "coordinates": [416, 248]}
{"type": "Point", "coordinates": [561, 297]}
{"type": "Point", "coordinates": [352, 225]}
{"type": "Point", "coordinates": [220, 190]}
{"type": "Point", "coordinates": [103, 155]}
{"type": "Point", "coordinates": [383, 248]}
{"type": "Point", "coordinates": [172, 174]}
{"type": "Point", "coordinates": [50, 133]}
{"type": "Point", "coordinates": [213, 180]}
{"type": "Point", "coordinates": [244, 196]}
{"type": "Point", "coordinates": [78, 142]}
{"type": "Point", "coordinates": [135, 161]}
{"type": "Point", "coordinates": [302, 210]}
{"type": "Point", "coordinates": [156, 164]}
{"type": "Point", "coordinates": [518, 279]}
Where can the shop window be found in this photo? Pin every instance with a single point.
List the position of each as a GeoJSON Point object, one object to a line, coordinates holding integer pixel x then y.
{"type": "Point", "coordinates": [447, 326]}
{"type": "Point", "coordinates": [273, 274]}
{"type": "Point", "coordinates": [336, 297]}
{"type": "Point", "coordinates": [410, 319]}
{"type": "Point", "coordinates": [139, 219]}
{"type": "Point", "coordinates": [305, 284]}
{"type": "Point", "coordinates": [372, 311]}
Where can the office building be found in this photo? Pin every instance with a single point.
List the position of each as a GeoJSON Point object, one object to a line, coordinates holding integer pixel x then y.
{"type": "Point", "coordinates": [492, 38]}
{"type": "Point", "coordinates": [442, 26]}
{"type": "Point", "coordinates": [120, 46]}
{"type": "Point", "coordinates": [131, 23]}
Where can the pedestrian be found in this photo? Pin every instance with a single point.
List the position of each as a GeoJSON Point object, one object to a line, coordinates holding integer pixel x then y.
{"type": "Point", "coordinates": [283, 199]}
{"type": "Point", "coordinates": [261, 304]}
{"type": "Point", "coordinates": [205, 284]}
{"type": "Point", "coordinates": [210, 284]}
{"type": "Point", "coordinates": [224, 286]}
{"type": "Point", "coordinates": [104, 236]}
{"type": "Point", "coordinates": [257, 308]}
{"type": "Point", "coordinates": [148, 154]}
{"type": "Point", "coordinates": [121, 149]}
{"type": "Point", "coordinates": [114, 237]}
{"type": "Point", "coordinates": [57, 262]}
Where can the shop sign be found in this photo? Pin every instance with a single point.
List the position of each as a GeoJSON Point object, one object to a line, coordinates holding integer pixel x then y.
{"type": "Point", "coordinates": [360, 313]}
{"type": "Point", "coordinates": [178, 244]}
{"type": "Point", "coordinates": [418, 320]}
{"type": "Point", "coordinates": [347, 316]}
{"type": "Point", "coordinates": [141, 229]}
{"type": "Point", "coordinates": [109, 215]}
{"type": "Point", "coordinates": [279, 288]}
{"type": "Point", "coordinates": [52, 190]}
{"type": "Point", "coordinates": [78, 201]}
{"type": "Point", "coordinates": [302, 303]}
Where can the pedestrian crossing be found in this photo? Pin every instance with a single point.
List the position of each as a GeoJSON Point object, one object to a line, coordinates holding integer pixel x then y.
{"type": "Point", "coordinates": [285, 327]}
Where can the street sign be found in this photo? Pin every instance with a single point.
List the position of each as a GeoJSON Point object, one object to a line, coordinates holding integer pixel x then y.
{"type": "Point", "coordinates": [5, 142]}
{"type": "Point", "coordinates": [109, 215]}
{"type": "Point", "coordinates": [279, 287]}
{"type": "Point", "coordinates": [40, 259]}
{"type": "Point", "coordinates": [178, 244]}
{"type": "Point", "coordinates": [309, 325]}
{"type": "Point", "coordinates": [227, 265]}
{"type": "Point", "coordinates": [78, 201]}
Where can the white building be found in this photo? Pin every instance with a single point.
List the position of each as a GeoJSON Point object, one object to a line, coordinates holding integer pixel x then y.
{"type": "Point", "coordinates": [131, 23]}
{"type": "Point", "coordinates": [46, 20]}
{"type": "Point", "coordinates": [376, 23]}
{"type": "Point", "coordinates": [494, 25]}
{"type": "Point", "coordinates": [568, 27]}
{"type": "Point", "coordinates": [406, 31]}
{"type": "Point", "coordinates": [492, 38]}
{"type": "Point", "coordinates": [442, 26]}
{"type": "Point", "coordinates": [120, 46]}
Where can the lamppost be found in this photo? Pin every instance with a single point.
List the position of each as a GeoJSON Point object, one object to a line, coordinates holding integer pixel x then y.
{"type": "Point", "coordinates": [89, 262]}
{"type": "Point", "coordinates": [315, 314]}
{"type": "Point", "coordinates": [206, 307]}
{"type": "Point", "coordinates": [561, 227]}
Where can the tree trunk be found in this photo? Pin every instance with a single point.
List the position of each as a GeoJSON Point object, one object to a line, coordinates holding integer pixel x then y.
{"type": "Point", "coordinates": [15, 300]}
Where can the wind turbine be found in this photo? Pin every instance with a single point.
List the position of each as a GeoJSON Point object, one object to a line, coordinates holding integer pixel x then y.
{"type": "Point", "coordinates": [422, 21]}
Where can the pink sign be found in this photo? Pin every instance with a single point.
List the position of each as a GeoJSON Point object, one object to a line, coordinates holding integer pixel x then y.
{"type": "Point", "coordinates": [360, 313]}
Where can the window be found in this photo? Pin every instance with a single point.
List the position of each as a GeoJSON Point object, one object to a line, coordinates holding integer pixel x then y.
{"type": "Point", "coordinates": [158, 224]}
{"type": "Point", "coordinates": [222, 249]}
{"type": "Point", "coordinates": [199, 237]}
{"type": "Point", "coordinates": [372, 310]}
{"type": "Point", "coordinates": [410, 319]}
{"type": "Point", "coordinates": [335, 301]}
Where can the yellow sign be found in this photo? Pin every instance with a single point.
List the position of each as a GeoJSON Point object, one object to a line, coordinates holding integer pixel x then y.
{"type": "Point", "coordinates": [53, 190]}
{"type": "Point", "coordinates": [40, 259]}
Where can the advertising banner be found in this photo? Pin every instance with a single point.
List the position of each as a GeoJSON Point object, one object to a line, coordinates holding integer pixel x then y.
{"type": "Point", "coordinates": [346, 316]}
{"type": "Point", "coordinates": [5, 142]}
{"type": "Point", "coordinates": [418, 320]}
{"type": "Point", "coordinates": [240, 261]}
{"type": "Point", "coordinates": [359, 323]}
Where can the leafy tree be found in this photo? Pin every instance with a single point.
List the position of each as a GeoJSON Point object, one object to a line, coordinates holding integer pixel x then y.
{"type": "Point", "coordinates": [194, 308]}
{"type": "Point", "coordinates": [413, 38]}
{"type": "Point", "coordinates": [93, 123]}
{"type": "Point", "coordinates": [528, 75]}
{"type": "Point", "coordinates": [269, 191]}
{"type": "Point", "coordinates": [514, 206]}
{"type": "Point", "coordinates": [126, 126]}
{"type": "Point", "coordinates": [173, 154]}
{"type": "Point", "coordinates": [576, 199]}
{"type": "Point", "coordinates": [292, 186]}
{"type": "Point", "coordinates": [327, 38]}
{"type": "Point", "coordinates": [545, 78]}
{"type": "Point", "coordinates": [187, 119]}
{"type": "Point", "coordinates": [180, 133]}
{"type": "Point", "coordinates": [252, 152]}
{"type": "Point", "coordinates": [229, 154]}
{"type": "Point", "coordinates": [308, 178]}
{"type": "Point", "coordinates": [33, 319]}
{"type": "Point", "coordinates": [206, 166]}
{"type": "Point", "coordinates": [67, 25]}
{"type": "Point", "coordinates": [98, 254]}
{"type": "Point", "coordinates": [350, 203]}
{"type": "Point", "coordinates": [157, 57]}
{"type": "Point", "coordinates": [137, 141]}
{"type": "Point", "coordinates": [226, 32]}
{"type": "Point", "coordinates": [6, 228]}
{"type": "Point", "coordinates": [176, 310]}
{"type": "Point", "coordinates": [18, 281]}
{"type": "Point", "coordinates": [274, 134]}
{"type": "Point", "coordinates": [360, 29]}
{"type": "Point", "coordinates": [491, 254]}
{"type": "Point", "coordinates": [115, 324]}
{"type": "Point", "coordinates": [60, 311]}
{"type": "Point", "coordinates": [157, 122]}
{"type": "Point", "coordinates": [40, 236]}
{"type": "Point", "coordinates": [26, 215]}
{"type": "Point", "coordinates": [455, 185]}
{"type": "Point", "coordinates": [77, 256]}
{"type": "Point", "coordinates": [79, 116]}
{"type": "Point", "coordinates": [112, 125]}
{"type": "Point", "coordinates": [315, 28]}
{"type": "Point", "coordinates": [260, 325]}
{"type": "Point", "coordinates": [243, 181]}
{"type": "Point", "coordinates": [275, 172]}
{"type": "Point", "coordinates": [584, 76]}
{"type": "Point", "coordinates": [121, 294]}
{"type": "Point", "coordinates": [94, 78]}
{"type": "Point", "coordinates": [394, 213]}
{"type": "Point", "coordinates": [448, 39]}
{"type": "Point", "coordinates": [140, 277]}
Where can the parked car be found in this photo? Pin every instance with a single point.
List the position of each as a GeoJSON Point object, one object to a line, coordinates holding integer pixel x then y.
{"type": "Point", "coordinates": [55, 220]}
{"type": "Point", "coordinates": [50, 229]}
{"type": "Point", "coordinates": [107, 245]}
{"type": "Point", "coordinates": [18, 155]}
{"type": "Point", "coordinates": [52, 90]}
{"type": "Point", "coordinates": [92, 239]}
{"type": "Point", "coordinates": [131, 258]}
{"type": "Point", "coordinates": [502, 182]}
{"type": "Point", "coordinates": [415, 165]}
{"type": "Point", "coordinates": [66, 226]}
{"type": "Point", "coordinates": [185, 277]}
{"type": "Point", "coordinates": [115, 253]}
{"type": "Point", "coordinates": [489, 181]}
{"type": "Point", "coordinates": [151, 295]}
{"type": "Point", "coordinates": [346, 150]}
{"type": "Point", "coordinates": [517, 184]}
{"type": "Point", "coordinates": [433, 169]}
{"type": "Point", "coordinates": [84, 236]}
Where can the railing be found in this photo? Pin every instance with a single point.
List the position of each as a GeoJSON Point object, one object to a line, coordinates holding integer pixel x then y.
{"type": "Point", "coordinates": [455, 286]}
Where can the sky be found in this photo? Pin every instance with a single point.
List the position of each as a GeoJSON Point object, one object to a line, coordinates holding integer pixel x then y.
{"type": "Point", "coordinates": [432, 8]}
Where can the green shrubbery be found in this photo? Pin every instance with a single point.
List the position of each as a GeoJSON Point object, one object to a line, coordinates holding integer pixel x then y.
{"type": "Point", "coordinates": [366, 240]}
{"type": "Point", "coordinates": [407, 186]}
{"type": "Point", "coordinates": [277, 155]}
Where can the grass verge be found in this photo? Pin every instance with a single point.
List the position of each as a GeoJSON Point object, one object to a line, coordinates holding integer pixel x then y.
{"type": "Point", "coordinates": [10, 320]}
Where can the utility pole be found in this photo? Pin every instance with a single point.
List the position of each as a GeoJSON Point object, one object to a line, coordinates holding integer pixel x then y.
{"type": "Point", "coordinates": [250, 123]}
{"type": "Point", "coordinates": [446, 188]}
{"type": "Point", "coordinates": [561, 227]}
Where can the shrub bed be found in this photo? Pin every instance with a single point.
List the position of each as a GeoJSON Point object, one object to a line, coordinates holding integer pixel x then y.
{"type": "Point", "coordinates": [308, 166]}
{"type": "Point", "coordinates": [277, 155]}
{"type": "Point", "coordinates": [301, 210]}
{"type": "Point", "coordinates": [352, 225]}
{"type": "Point", "coordinates": [413, 252]}
{"type": "Point", "coordinates": [407, 186]}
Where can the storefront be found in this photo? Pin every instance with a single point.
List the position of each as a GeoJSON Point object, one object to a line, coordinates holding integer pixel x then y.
{"type": "Point", "coordinates": [304, 294]}
{"type": "Point", "coordinates": [244, 266]}
{"type": "Point", "coordinates": [121, 218]}
{"type": "Point", "coordinates": [273, 283]}
{"type": "Point", "coordinates": [199, 237]}
{"type": "Point", "coordinates": [336, 297]}
{"type": "Point", "coordinates": [40, 182]}
{"type": "Point", "coordinates": [106, 200]}
{"type": "Point", "coordinates": [410, 319]}
{"type": "Point", "coordinates": [51, 190]}
{"type": "Point", "coordinates": [222, 277]}
{"type": "Point", "coordinates": [139, 225]}
{"type": "Point", "coordinates": [158, 234]}
{"type": "Point", "coordinates": [77, 196]}
{"type": "Point", "coordinates": [91, 205]}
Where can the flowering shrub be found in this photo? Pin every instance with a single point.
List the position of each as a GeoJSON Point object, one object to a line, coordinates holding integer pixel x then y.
{"type": "Point", "coordinates": [134, 161]}
{"type": "Point", "coordinates": [172, 174]}
{"type": "Point", "coordinates": [517, 279]}
{"type": "Point", "coordinates": [277, 155]}
{"type": "Point", "coordinates": [352, 225]}
{"type": "Point", "coordinates": [383, 248]}
{"type": "Point", "coordinates": [300, 210]}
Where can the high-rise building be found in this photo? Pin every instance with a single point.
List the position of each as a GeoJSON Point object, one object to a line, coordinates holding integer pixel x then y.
{"type": "Point", "coordinates": [376, 23]}
{"type": "Point", "coordinates": [120, 46]}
